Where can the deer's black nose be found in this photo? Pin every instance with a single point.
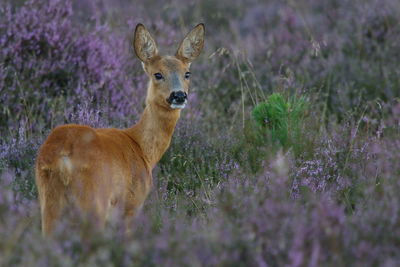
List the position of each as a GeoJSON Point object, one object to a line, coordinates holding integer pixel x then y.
{"type": "Point", "coordinates": [178, 97]}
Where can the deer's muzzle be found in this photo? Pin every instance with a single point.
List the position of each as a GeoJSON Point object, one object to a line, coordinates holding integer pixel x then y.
{"type": "Point", "coordinates": [177, 99]}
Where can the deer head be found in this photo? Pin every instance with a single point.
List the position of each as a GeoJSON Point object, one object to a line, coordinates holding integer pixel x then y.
{"type": "Point", "coordinates": [169, 75]}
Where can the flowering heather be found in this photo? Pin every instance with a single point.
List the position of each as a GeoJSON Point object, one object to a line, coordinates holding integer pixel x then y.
{"type": "Point", "coordinates": [223, 194]}
{"type": "Point", "coordinates": [49, 63]}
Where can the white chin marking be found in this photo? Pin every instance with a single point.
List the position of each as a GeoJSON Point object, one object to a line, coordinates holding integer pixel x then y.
{"type": "Point", "coordinates": [178, 106]}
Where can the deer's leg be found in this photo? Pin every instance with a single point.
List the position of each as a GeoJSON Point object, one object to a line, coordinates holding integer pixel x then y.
{"type": "Point", "coordinates": [51, 196]}
{"type": "Point", "coordinates": [91, 197]}
{"type": "Point", "coordinates": [133, 206]}
{"type": "Point", "coordinates": [50, 214]}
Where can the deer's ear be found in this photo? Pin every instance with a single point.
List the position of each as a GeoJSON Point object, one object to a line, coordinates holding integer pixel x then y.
{"type": "Point", "coordinates": [144, 45]}
{"type": "Point", "coordinates": [192, 45]}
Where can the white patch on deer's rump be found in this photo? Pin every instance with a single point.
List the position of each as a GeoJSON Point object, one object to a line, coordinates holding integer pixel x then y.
{"type": "Point", "coordinates": [66, 164]}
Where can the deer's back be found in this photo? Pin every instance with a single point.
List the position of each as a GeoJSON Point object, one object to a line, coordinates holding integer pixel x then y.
{"type": "Point", "coordinates": [103, 165]}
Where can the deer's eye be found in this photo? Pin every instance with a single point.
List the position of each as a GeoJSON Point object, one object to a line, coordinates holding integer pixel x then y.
{"type": "Point", "coordinates": [187, 75]}
{"type": "Point", "coordinates": [158, 76]}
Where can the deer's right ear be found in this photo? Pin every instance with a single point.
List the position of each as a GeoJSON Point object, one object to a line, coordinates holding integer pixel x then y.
{"type": "Point", "coordinates": [192, 45]}
{"type": "Point", "coordinates": [144, 45]}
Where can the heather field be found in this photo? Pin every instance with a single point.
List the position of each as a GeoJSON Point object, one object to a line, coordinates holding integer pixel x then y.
{"type": "Point", "coordinates": [287, 153]}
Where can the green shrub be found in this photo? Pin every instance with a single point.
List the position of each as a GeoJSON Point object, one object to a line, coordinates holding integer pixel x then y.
{"type": "Point", "coordinates": [281, 119]}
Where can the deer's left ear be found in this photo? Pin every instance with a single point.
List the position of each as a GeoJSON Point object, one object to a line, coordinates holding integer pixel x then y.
{"type": "Point", "coordinates": [144, 45]}
{"type": "Point", "coordinates": [192, 45]}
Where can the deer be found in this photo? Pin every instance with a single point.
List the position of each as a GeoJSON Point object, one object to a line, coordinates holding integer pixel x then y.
{"type": "Point", "coordinates": [98, 170]}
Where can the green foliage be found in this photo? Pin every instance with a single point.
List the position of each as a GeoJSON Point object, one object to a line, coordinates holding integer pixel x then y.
{"type": "Point", "coordinates": [250, 149]}
{"type": "Point", "coordinates": [282, 119]}
{"type": "Point", "coordinates": [192, 166]}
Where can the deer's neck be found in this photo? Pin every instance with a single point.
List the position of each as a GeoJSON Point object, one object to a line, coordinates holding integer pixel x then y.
{"type": "Point", "coordinates": [154, 131]}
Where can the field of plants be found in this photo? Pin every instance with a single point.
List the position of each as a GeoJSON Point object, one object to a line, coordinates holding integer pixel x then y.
{"type": "Point", "coordinates": [287, 153]}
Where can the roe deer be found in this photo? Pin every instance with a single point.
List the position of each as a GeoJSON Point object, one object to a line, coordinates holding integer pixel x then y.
{"type": "Point", "coordinates": [100, 170]}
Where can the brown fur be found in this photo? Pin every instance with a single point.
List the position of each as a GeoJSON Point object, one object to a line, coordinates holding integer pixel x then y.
{"type": "Point", "coordinates": [98, 170]}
